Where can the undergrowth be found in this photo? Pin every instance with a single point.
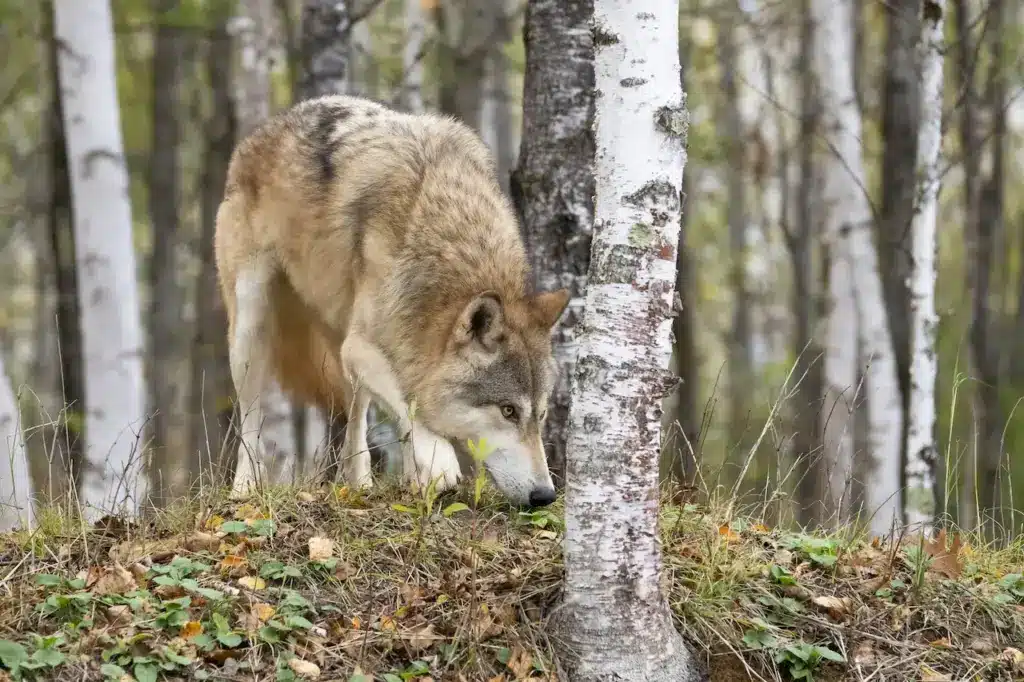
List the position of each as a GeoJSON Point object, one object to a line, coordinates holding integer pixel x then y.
{"type": "Point", "coordinates": [389, 586]}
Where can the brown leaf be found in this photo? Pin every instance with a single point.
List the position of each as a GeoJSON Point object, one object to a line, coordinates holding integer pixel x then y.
{"type": "Point", "coordinates": [304, 669]}
{"type": "Point", "coordinates": [304, 496]}
{"type": "Point", "coordinates": [200, 542]}
{"type": "Point", "coordinates": [320, 548]}
{"type": "Point", "coordinates": [263, 612]}
{"type": "Point", "coordinates": [115, 580]}
{"type": "Point", "coordinates": [233, 566]}
{"type": "Point", "coordinates": [252, 582]}
{"type": "Point", "coordinates": [836, 607]}
{"type": "Point", "coordinates": [981, 646]}
{"type": "Point", "coordinates": [520, 662]}
{"type": "Point", "coordinates": [191, 629]}
{"type": "Point", "coordinates": [119, 615]}
{"type": "Point", "coordinates": [864, 655]}
{"type": "Point", "coordinates": [1013, 658]}
{"type": "Point", "coordinates": [727, 532]}
{"type": "Point", "coordinates": [945, 560]}
{"type": "Point", "coordinates": [422, 639]}
{"type": "Point", "coordinates": [930, 675]}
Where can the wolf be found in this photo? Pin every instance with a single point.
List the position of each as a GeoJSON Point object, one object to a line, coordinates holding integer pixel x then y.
{"type": "Point", "coordinates": [367, 255]}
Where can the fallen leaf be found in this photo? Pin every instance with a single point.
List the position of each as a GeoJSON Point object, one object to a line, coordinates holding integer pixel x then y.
{"type": "Point", "coordinates": [520, 662]}
{"type": "Point", "coordinates": [252, 582]}
{"type": "Point", "coordinates": [233, 566]}
{"type": "Point", "coordinates": [304, 669]}
{"type": "Point", "coordinates": [119, 614]}
{"type": "Point", "coordinates": [945, 560]}
{"type": "Point", "coordinates": [387, 623]}
{"type": "Point", "coordinates": [320, 548]}
{"type": "Point", "coordinates": [422, 639]}
{"type": "Point", "coordinates": [727, 532]}
{"type": "Point", "coordinates": [263, 612]}
{"type": "Point", "coordinates": [941, 642]}
{"type": "Point", "coordinates": [304, 496]}
{"type": "Point", "coordinates": [115, 580]}
{"type": "Point", "coordinates": [981, 646]}
{"type": "Point", "coordinates": [931, 675]}
{"type": "Point", "coordinates": [214, 522]}
{"type": "Point", "coordinates": [864, 655]}
{"type": "Point", "coordinates": [836, 607]}
{"type": "Point", "coordinates": [760, 528]}
{"type": "Point", "coordinates": [191, 629]}
{"type": "Point", "coordinates": [1013, 658]}
{"type": "Point", "coordinates": [201, 541]}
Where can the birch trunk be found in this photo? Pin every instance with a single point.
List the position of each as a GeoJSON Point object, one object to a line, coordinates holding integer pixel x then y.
{"type": "Point", "coordinates": [856, 313]}
{"type": "Point", "coordinates": [553, 186]}
{"type": "Point", "coordinates": [109, 301]}
{"type": "Point", "coordinates": [253, 29]}
{"type": "Point", "coordinates": [16, 510]}
{"type": "Point", "coordinates": [922, 452]}
{"type": "Point", "coordinates": [615, 619]}
{"type": "Point", "coordinates": [412, 56]}
{"type": "Point", "coordinates": [496, 109]}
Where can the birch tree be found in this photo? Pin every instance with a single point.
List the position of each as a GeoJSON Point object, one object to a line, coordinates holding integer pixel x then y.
{"type": "Point", "coordinates": [412, 56]}
{"type": "Point", "coordinates": [921, 449]}
{"type": "Point", "coordinates": [253, 29]}
{"type": "Point", "coordinates": [108, 291]}
{"type": "Point", "coordinates": [553, 186]}
{"type": "Point", "coordinates": [615, 620]}
{"type": "Point", "coordinates": [16, 508]}
{"type": "Point", "coordinates": [855, 304]}
{"type": "Point", "coordinates": [325, 48]}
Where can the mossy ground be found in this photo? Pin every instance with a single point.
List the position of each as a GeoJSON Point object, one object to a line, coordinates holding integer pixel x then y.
{"type": "Point", "coordinates": [297, 584]}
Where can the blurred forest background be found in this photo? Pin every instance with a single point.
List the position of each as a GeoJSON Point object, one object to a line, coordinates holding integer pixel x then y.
{"type": "Point", "coordinates": [749, 339]}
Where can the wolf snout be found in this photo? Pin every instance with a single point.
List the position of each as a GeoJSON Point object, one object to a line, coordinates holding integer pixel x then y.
{"type": "Point", "coordinates": [542, 497]}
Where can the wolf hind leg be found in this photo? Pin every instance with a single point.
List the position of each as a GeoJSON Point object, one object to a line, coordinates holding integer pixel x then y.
{"type": "Point", "coordinates": [356, 449]}
{"type": "Point", "coordinates": [250, 359]}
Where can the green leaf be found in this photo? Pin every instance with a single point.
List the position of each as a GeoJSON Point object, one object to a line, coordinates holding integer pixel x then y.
{"type": "Point", "coordinates": [263, 527]}
{"type": "Point", "coordinates": [177, 658]}
{"type": "Point", "coordinates": [503, 655]}
{"type": "Point", "coordinates": [12, 654]}
{"type": "Point", "coordinates": [831, 655]}
{"type": "Point", "coordinates": [270, 635]}
{"type": "Point", "coordinates": [454, 507]}
{"type": "Point", "coordinates": [112, 671]}
{"type": "Point", "coordinates": [49, 580]}
{"type": "Point", "coordinates": [146, 672]}
{"type": "Point", "coordinates": [234, 527]}
{"type": "Point", "coordinates": [388, 677]}
{"type": "Point", "coordinates": [48, 657]}
{"type": "Point", "coordinates": [298, 622]}
{"type": "Point", "coordinates": [229, 639]}
{"type": "Point", "coordinates": [403, 508]}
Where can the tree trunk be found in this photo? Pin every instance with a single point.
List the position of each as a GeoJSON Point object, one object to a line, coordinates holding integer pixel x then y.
{"type": "Point", "coordinates": [901, 102]}
{"type": "Point", "coordinates": [252, 97]}
{"type": "Point", "coordinates": [741, 372]}
{"type": "Point", "coordinates": [326, 31]}
{"type": "Point", "coordinates": [855, 287]}
{"type": "Point", "coordinates": [553, 186]}
{"type": "Point", "coordinates": [615, 619]}
{"type": "Point", "coordinates": [982, 332]}
{"type": "Point", "coordinates": [111, 325]}
{"type": "Point", "coordinates": [496, 111]}
{"type": "Point", "coordinates": [211, 388]}
{"type": "Point", "coordinates": [921, 448]}
{"type": "Point", "coordinates": [467, 30]}
{"type": "Point", "coordinates": [16, 506]}
{"type": "Point", "coordinates": [167, 343]}
{"type": "Point", "coordinates": [412, 56]}
{"type": "Point", "coordinates": [70, 435]}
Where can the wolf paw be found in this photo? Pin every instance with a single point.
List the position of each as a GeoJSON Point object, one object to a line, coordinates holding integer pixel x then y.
{"type": "Point", "coordinates": [432, 457]}
{"type": "Point", "coordinates": [249, 471]}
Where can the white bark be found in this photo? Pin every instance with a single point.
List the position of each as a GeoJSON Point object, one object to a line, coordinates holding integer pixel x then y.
{"type": "Point", "coordinates": [615, 619]}
{"type": "Point", "coordinates": [111, 323]}
{"type": "Point", "coordinates": [253, 29]}
{"type": "Point", "coordinates": [854, 271]}
{"type": "Point", "coordinates": [16, 510]}
{"type": "Point", "coordinates": [921, 448]}
{"type": "Point", "coordinates": [412, 57]}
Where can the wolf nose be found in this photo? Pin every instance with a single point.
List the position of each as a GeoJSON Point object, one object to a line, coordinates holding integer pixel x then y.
{"type": "Point", "coordinates": [542, 497]}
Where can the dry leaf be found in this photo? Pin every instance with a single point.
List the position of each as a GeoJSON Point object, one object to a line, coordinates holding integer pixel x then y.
{"type": "Point", "coordinates": [201, 541]}
{"type": "Point", "coordinates": [304, 496]}
{"type": "Point", "coordinates": [263, 612]}
{"type": "Point", "coordinates": [1013, 658]}
{"type": "Point", "coordinates": [941, 642]}
{"type": "Point", "coordinates": [836, 607]}
{"type": "Point", "coordinates": [981, 646]}
{"type": "Point", "coordinates": [115, 580]}
{"type": "Point", "coordinates": [304, 669]}
{"type": "Point", "coordinates": [387, 623]}
{"type": "Point", "coordinates": [520, 662]}
{"type": "Point", "coordinates": [320, 548]}
{"type": "Point", "coordinates": [727, 532]}
{"type": "Point", "coordinates": [864, 655]}
{"type": "Point", "coordinates": [119, 614]}
{"type": "Point", "coordinates": [191, 629]}
{"type": "Point", "coordinates": [233, 565]}
{"type": "Point", "coordinates": [422, 639]}
{"type": "Point", "coordinates": [252, 582]}
{"type": "Point", "coordinates": [760, 528]}
{"type": "Point", "coordinates": [945, 561]}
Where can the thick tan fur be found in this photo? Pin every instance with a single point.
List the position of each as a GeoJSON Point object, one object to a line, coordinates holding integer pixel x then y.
{"type": "Point", "coordinates": [348, 230]}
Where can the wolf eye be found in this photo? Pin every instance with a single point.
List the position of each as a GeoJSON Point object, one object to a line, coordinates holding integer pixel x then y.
{"type": "Point", "coordinates": [509, 412]}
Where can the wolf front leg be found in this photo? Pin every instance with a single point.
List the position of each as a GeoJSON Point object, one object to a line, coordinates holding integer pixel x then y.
{"type": "Point", "coordinates": [431, 455]}
{"type": "Point", "coordinates": [249, 355]}
{"type": "Point", "coordinates": [355, 451]}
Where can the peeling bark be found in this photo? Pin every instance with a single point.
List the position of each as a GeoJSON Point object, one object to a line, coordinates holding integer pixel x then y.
{"type": "Point", "coordinates": [615, 621]}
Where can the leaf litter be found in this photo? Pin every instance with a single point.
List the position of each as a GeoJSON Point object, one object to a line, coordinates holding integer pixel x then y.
{"type": "Point", "coordinates": [329, 584]}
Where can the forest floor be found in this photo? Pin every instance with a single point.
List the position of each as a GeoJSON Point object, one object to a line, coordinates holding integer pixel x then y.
{"type": "Point", "coordinates": [388, 586]}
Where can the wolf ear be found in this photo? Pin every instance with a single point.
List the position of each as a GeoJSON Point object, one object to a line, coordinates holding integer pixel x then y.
{"type": "Point", "coordinates": [481, 321]}
{"type": "Point", "coordinates": [547, 307]}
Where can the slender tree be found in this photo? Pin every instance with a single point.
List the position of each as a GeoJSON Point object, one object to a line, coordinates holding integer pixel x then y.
{"type": "Point", "coordinates": [856, 314]}
{"type": "Point", "coordinates": [553, 186]}
{"type": "Point", "coordinates": [412, 56]}
{"type": "Point", "coordinates": [16, 507]}
{"type": "Point", "coordinates": [921, 449]}
{"type": "Point", "coordinates": [326, 29]}
{"type": "Point", "coordinates": [615, 619]}
{"type": "Point", "coordinates": [108, 291]}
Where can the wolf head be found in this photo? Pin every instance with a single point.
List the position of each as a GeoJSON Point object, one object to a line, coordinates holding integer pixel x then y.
{"type": "Point", "coordinates": [493, 383]}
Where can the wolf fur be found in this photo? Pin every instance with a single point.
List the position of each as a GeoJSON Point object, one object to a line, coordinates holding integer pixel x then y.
{"type": "Point", "coordinates": [370, 255]}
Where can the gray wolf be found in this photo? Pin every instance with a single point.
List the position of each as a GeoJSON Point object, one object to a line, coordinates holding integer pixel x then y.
{"type": "Point", "coordinates": [368, 255]}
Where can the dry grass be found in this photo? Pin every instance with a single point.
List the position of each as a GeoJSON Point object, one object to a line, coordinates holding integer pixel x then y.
{"type": "Point", "coordinates": [395, 587]}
